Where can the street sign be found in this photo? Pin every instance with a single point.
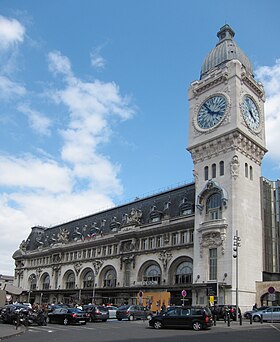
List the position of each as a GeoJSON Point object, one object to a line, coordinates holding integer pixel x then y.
{"type": "Point", "coordinates": [184, 293]}
{"type": "Point", "coordinates": [271, 290]}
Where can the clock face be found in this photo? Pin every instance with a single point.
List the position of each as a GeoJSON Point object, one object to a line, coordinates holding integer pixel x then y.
{"type": "Point", "coordinates": [212, 111]}
{"type": "Point", "coordinates": [251, 114]}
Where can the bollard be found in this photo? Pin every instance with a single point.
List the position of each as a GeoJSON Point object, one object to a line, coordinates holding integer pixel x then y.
{"type": "Point", "coordinates": [228, 320]}
{"type": "Point", "coordinates": [261, 319]}
{"type": "Point", "coordinates": [240, 320]}
{"type": "Point", "coordinates": [251, 319]}
{"type": "Point", "coordinates": [215, 319]}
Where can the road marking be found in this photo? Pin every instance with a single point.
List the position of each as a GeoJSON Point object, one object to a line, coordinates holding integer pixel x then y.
{"type": "Point", "coordinates": [273, 326]}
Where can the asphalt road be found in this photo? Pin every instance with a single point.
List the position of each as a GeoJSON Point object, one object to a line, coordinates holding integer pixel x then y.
{"type": "Point", "coordinates": [139, 331]}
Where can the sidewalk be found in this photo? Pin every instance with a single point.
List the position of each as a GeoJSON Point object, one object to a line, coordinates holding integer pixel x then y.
{"type": "Point", "coordinates": [7, 330]}
{"type": "Point", "coordinates": [245, 324]}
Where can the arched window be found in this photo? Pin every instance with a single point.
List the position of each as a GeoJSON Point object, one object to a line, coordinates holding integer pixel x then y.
{"type": "Point", "coordinates": [213, 170]}
{"type": "Point", "coordinates": [213, 207]}
{"type": "Point", "coordinates": [110, 279]}
{"type": "Point", "coordinates": [206, 173]}
{"type": "Point", "coordinates": [246, 170]}
{"type": "Point", "coordinates": [184, 273]}
{"type": "Point", "coordinates": [88, 280]}
{"type": "Point", "coordinates": [46, 282]}
{"type": "Point", "coordinates": [152, 275]}
{"type": "Point", "coordinates": [222, 168]}
{"type": "Point", "coordinates": [251, 172]}
{"type": "Point", "coordinates": [70, 281]}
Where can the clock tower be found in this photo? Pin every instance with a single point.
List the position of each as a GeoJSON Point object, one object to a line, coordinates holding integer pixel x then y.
{"type": "Point", "coordinates": [227, 144]}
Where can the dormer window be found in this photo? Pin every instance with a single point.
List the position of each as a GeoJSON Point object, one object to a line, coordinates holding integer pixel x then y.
{"type": "Point", "coordinates": [186, 208]}
{"type": "Point", "coordinates": [155, 215]}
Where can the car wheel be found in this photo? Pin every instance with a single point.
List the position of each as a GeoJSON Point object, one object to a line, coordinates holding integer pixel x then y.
{"type": "Point", "coordinates": [104, 320]}
{"type": "Point", "coordinates": [256, 318]}
{"type": "Point", "coordinates": [131, 318]}
{"type": "Point", "coordinates": [65, 321]}
{"type": "Point", "coordinates": [157, 325]}
{"type": "Point", "coordinates": [197, 326]}
{"type": "Point", "coordinates": [119, 319]}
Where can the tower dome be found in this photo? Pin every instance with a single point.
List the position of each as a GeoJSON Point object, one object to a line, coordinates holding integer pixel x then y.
{"type": "Point", "coordinates": [225, 50]}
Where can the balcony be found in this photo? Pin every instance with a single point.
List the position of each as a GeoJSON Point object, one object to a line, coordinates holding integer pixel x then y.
{"type": "Point", "coordinates": [219, 225]}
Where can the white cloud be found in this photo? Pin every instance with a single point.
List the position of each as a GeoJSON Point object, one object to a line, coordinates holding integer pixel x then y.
{"type": "Point", "coordinates": [59, 64]}
{"type": "Point", "coordinates": [10, 89]}
{"type": "Point", "coordinates": [91, 107]}
{"type": "Point", "coordinates": [39, 122]}
{"type": "Point", "coordinates": [45, 190]}
{"type": "Point", "coordinates": [270, 77]}
{"type": "Point", "coordinates": [34, 174]}
{"type": "Point", "coordinates": [97, 61]}
{"type": "Point", "coordinates": [11, 32]}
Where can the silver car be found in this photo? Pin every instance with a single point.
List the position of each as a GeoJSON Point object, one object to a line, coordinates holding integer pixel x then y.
{"type": "Point", "coordinates": [270, 314]}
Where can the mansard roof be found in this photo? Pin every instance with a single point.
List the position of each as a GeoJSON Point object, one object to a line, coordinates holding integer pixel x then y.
{"type": "Point", "coordinates": [168, 204]}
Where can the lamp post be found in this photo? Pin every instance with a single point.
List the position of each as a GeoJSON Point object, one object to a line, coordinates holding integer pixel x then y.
{"type": "Point", "coordinates": [236, 245]}
{"type": "Point", "coordinates": [93, 287]}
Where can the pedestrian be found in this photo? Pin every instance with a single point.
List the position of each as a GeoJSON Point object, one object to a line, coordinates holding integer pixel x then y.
{"type": "Point", "coordinates": [163, 308]}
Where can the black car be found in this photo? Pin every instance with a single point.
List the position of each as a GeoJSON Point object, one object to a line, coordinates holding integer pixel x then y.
{"type": "Point", "coordinates": [194, 317]}
{"type": "Point", "coordinates": [132, 312]}
{"type": "Point", "coordinates": [96, 312]}
{"type": "Point", "coordinates": [68, 316]}
{"type": "Point", "coordinates": [9, 312]}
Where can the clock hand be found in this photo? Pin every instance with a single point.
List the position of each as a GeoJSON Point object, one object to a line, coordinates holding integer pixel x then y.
{"type": "Point", "coordinates": [209, 110]}
{"type": "Point", "coordinates": [252, 116]}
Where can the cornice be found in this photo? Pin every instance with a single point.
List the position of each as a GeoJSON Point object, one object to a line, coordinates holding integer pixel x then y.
{"type": "Point", "coordinates": [257, 88]}
{"type": "Point", "coordinates": [202, 86]}
{"type": "Point", "coordinates": [234, 141]}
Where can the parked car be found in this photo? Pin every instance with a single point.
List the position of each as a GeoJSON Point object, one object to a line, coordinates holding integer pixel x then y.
{"type": "Point", "coordinates": [52, 307]}
{"type": "Point", "coordinates": [271, 313]}
{"type": "Point", "coordinates": [132, 312]}
{"type": "Point", "coordinates": [194, 317]}
{"type": "Point", "coordinates": [68, 316]}
{"type": "Point", "coordinates": [112, 311]}
{"type": "Point", "coordinates": [248, 314]}
{"type": "Point", "coordinates": [9, 312]}
{"type": "Point", "coordinates": [97, 312]}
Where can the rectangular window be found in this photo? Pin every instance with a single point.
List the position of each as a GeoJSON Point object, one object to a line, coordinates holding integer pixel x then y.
{"type": "Point", "coordinates": [175, 239]}
{"type": "Point", "coordinates": [152, 243]}
{"type": "Point", "coordinates": [115, 249]}
{"type": "Point", "coordinates": [144, 244]}
{"type": "Point", "coordinates": [89, 253]}
{"type": "Point", "coordinates": [213, 264]}
{"type": "Point", "coordinates": [110, 250]}
{"type": "Point", "coordinates": [159, 241]}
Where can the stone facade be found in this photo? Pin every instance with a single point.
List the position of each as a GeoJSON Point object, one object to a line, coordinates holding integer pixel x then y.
{"type": "Point", "coordinates": [211, 238]}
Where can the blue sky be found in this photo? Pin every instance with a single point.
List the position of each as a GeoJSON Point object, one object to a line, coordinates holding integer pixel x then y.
{"type": "Point", "coordinates": [94, 108]}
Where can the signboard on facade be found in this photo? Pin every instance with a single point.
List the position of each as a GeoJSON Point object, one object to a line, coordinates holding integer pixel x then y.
{"type": "Point", "coordinates": [211, 289]}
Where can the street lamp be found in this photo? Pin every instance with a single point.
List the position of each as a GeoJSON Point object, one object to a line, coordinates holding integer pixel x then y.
{"type": "Point", "coordinates": [93, 286]}
{"type": "Point", "coordinates": [236, 245]}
